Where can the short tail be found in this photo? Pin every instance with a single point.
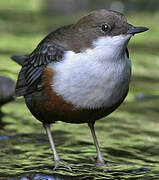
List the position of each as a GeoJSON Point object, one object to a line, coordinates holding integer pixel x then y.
{"type": "Point", "coordinates": [19, 59]}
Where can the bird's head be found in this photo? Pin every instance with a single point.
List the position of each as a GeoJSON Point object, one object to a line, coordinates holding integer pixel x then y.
{"type": "Point", "coordinates": [106, 28]}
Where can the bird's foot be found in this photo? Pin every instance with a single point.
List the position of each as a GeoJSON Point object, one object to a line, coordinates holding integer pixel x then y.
{"type": "Point", "coordinates": [100, 162]}
{"type": "Point", "coordinates": [58, 162]}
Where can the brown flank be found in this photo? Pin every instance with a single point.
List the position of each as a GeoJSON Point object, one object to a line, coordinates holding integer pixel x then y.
{"type": "Point", "coordinates": [47, 106]}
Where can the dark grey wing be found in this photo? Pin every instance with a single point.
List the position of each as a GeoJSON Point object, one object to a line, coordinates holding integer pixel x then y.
{"type": "Point", "coordinates": [29, 79]}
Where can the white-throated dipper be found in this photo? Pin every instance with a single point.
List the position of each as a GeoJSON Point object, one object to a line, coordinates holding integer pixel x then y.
{"type": "Point", "coordinates": [79, 73]}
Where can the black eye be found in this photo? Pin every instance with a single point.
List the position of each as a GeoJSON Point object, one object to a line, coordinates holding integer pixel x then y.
{"type": "Point", "coordinates": [105, 27]}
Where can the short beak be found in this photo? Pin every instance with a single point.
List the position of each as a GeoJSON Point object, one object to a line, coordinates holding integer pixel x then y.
{"type": "Point", "coordinates": [134, 30]}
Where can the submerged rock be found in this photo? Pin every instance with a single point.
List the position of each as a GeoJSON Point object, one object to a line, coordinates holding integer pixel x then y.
{"type": "Point", "coordinates": [7, 87]}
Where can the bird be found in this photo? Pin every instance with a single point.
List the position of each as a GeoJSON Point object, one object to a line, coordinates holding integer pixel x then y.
{"type": "Point", "coordinates": [78, 73]}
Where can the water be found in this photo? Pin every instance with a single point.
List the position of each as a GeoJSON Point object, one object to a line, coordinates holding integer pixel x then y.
{"type": "Point", "coordinates": [128, 140]}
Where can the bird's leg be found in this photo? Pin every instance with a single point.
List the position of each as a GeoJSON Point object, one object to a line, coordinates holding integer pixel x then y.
{"type": "Point", "coordinates": [100, 160]}
{"type": "Point", "coordinates": [56, 156]}
{"type": "Point", "coordinates": [57, 159]}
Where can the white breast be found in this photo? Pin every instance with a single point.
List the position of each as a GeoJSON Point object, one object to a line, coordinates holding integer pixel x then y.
{"type": "Point", "coordinates": [98, 77]}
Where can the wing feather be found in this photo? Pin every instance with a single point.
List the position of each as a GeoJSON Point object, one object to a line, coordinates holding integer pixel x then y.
{"type": "Point", "coordinates": [29, 79]}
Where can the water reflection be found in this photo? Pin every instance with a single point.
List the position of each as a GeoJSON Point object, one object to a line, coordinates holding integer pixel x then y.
{"type": "Point", "coordinates": [129, 147]}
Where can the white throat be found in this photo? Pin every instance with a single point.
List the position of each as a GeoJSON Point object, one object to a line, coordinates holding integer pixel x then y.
{"type": "Point", "coordinates": [94, 78]}
{"type": "Point", "coordinates": [112, 46]}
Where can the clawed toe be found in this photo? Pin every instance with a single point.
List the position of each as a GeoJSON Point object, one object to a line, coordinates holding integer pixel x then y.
{"type": "Point", "coordinates": [57, 163]}
{"type": "Point", "coordinates": [99, 163]}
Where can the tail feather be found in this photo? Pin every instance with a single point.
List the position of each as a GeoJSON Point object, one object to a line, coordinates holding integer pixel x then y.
{"type": "Point", "coordinates": [20, 89]}
{"type": "Point", "coordinates": [19, 59]}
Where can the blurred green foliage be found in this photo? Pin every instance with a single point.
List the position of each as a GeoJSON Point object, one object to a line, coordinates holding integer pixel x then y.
{"type": "Point", "coordinates": [21, 6]}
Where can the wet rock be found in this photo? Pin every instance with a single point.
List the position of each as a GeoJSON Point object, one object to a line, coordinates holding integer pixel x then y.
{"type": "Point", "coordinates": [45, 177]}
{"type": "Point", "coordinates": [7, 87]}
{"type": "Point", "coordinates": [24, 178]}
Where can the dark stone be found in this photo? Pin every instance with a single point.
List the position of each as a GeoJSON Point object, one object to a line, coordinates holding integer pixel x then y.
{"type": "Point", "coordinates": [7, 87]}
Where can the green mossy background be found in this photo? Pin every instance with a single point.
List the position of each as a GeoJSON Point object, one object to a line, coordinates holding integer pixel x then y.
{"type": "Point", "coordinates": [128, 138]}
